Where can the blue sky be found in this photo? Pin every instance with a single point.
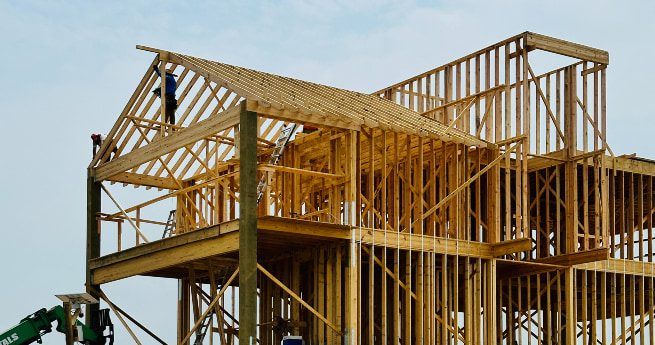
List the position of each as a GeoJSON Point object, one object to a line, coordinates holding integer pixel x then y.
{"type": "Point", "coordinates": [69, 66]}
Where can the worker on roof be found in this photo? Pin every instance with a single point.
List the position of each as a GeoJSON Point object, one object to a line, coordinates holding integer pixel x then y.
{"type": "Point", "coordinates": [98, 139]}
{"type": "Point", "coordinates": [171, 87]}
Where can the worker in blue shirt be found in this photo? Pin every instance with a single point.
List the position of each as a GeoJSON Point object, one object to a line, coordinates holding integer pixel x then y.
{"type": "Point", "coordinates": [171, 86]}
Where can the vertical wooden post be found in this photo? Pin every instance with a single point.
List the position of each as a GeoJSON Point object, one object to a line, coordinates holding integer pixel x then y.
{"type": "Point", "coordinates": [570, 294]}
{"type": "Point", "coordinates": [183, 296]}
{"type": "Point", "coordinates": [162, 71]}
{"type": "Point", "coordinates": [93, 203]}
{"type": "Point", "coordinates": [295, 286]}
{"type": "Point", "coordinates": [490, 307]}
{"type": "Point", "coordinates": [570, 117]}
{"type": "Point", "coordinates": [69, 324]}
{"type": "Point", "coordinates": [351, 308]}
{"type": "Point", "coordinates": [248, 227]}
{"type": "Point", "coordinates": [493, 199]}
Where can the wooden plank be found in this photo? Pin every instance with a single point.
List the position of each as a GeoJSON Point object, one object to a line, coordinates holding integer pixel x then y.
{"type": "Point", "coordinates": [510, 247]}
{"type": "Point", "coordinates": [448, 246]}
{"type": "Point", "coordinates": [304, 228]}
{"type": "Point", "coordinates": [317, 174]}
{"type": "Point", "coordinates": [144, 180]}
{"type": "Point", "coordinates": [622, 266]}
{"type": "Point", "coordinates": [294, 115]}
{"type": "Point", "coordinates": [633, 165]}
{"type": "Point", "coordinates": [577, 258]}
{"type": "Point", "coordinates": [431, 244]}
{"type": "Point", "coordinates": [559, 46]}
{"type": "Point", "coordinates": [508, 269]}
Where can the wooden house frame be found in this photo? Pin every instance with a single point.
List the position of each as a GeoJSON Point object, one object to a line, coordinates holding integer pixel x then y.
{"type": "Point", "coordinates": [476, 203]}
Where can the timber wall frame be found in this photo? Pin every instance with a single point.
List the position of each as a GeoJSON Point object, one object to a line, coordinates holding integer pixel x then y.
{"type": "Point", "coordinates": [475, 203]}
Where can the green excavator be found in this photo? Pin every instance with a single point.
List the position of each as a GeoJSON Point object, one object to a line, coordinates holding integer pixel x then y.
{"type": "Point", "coordinates": [31, 328]}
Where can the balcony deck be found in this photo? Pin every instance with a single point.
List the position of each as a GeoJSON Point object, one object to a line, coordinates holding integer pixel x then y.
{"type": "Point", "coordinates": [215, 246]}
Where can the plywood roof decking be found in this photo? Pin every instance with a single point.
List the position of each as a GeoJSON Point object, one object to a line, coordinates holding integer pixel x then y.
{"type": "Point", "coordinates": [350, 108]}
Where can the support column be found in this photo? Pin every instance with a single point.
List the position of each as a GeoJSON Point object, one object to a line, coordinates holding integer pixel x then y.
{"type": "Point", "coordinates": [493, 200]}
{"type": "Point", "coordinates": [570, 167]}
{"type": "Point", "coordinates": [183, 310]}
{"type": "Point", "coordinates": [248, 227]}
{"type": "Point", "coordinates": [570, 294]}
{"type": "Point", "coordinates": [352, 277]}
{"type": "Point", "coordinates": [69, 324]}
{"type": "Point", "coordinates": [490, 309]}
{"type": "Point", "coordinates": [92, 243]}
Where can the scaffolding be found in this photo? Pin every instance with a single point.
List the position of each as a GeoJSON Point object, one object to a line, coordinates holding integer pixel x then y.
{"type": "Point", "coordinates": [475, 203]}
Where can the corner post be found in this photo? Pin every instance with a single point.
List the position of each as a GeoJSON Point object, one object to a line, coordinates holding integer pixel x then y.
{"type": "Point", "coordinates": [92, 243]}
{"type": "Point", "coordinates": [248, 227]}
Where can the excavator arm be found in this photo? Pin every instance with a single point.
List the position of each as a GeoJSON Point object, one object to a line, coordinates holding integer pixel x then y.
{"type": "Point", "coordinates": [34, 326]}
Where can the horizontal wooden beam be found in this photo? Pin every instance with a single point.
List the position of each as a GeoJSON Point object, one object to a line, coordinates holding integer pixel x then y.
{"type": "Point", "coordinates": [170, 143]}
{"type": "Point", "coordinates": [149, 49]}
{"type": "Point", "coordinates": [510, 247]}
{"type": "Point", "coordinates": [559, 46]}
{"type": "Point", "coordinates": [172, 251]}
{"type": "Point", "coordinates": [512, 268]}
{"type": "Point", "coordinates": [426, 243]}
{"type": "Point", "coordinates": [633, 165]}
{"type": "Point", "coordinates": [144, 180]}
{"type": "Point", "coordinates": [441, 245]}
{"type": "Point", "coordinates": [592, 70]}
{"type": "Point", "coordinates": [586, 155]}
{"type": "Point", "coordinates": [462, 100]}
{"type": "Point", "coordinates": [577, 258]}
{"type": "Point", "coordinates": [319, 174]}
{"type": "Point", "coordinates": [640, 268]}
{"type": "Point", "coordinates": [303, 228]}
{"type": "Point", "coordinates": [293, 115]}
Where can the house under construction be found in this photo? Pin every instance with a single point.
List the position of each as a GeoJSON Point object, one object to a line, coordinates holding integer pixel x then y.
{"type": "Point", "coordinates": [475, 203]}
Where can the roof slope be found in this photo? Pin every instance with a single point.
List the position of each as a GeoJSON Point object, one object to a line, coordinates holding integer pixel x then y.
{"type": "Point", "coordinates": [304, 97]}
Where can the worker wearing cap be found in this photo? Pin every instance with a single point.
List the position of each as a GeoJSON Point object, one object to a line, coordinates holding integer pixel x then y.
{"type": "Point", "coordinates": [171, 86]}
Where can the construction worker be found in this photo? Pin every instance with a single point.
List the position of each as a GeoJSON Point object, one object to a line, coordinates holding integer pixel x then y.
{"type": "Point", "coordinates": [97, 139]}
{"type": "Point", "coordinates": [171, 86]}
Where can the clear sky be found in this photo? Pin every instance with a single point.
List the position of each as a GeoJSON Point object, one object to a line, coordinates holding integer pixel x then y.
{"type": "Point", "coordinates": [68, 67]}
